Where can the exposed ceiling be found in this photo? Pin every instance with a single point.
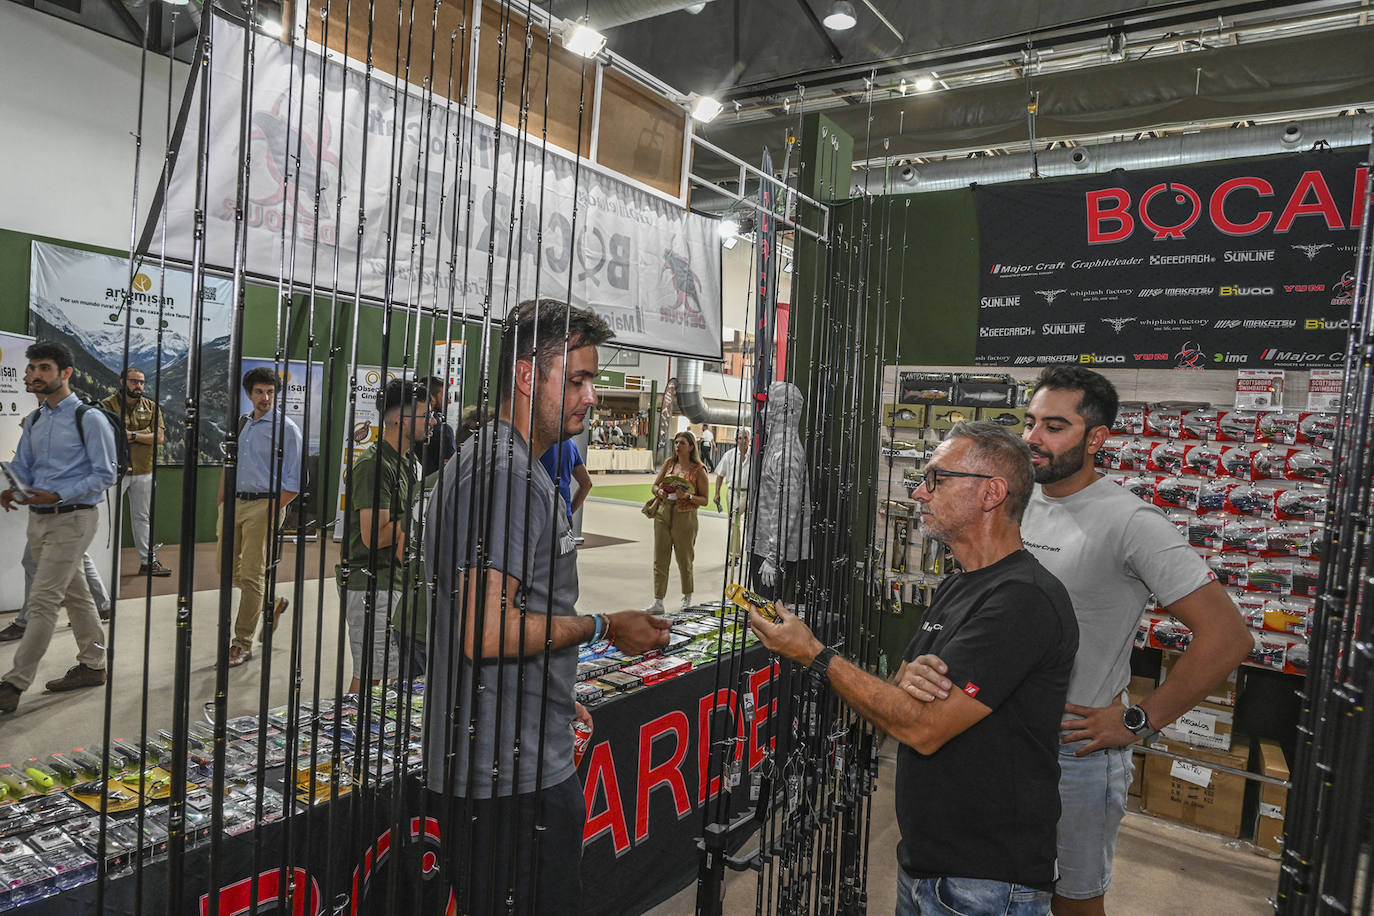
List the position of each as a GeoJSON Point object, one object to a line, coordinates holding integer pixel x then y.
{"type": "Point", "coordinates": [1002, 73]}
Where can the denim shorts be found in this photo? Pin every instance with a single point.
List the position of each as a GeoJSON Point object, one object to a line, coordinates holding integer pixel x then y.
{"type": "Point", "coordinates": [967, 897]}
{"type": "Point", "coordinates": [1092, 791]}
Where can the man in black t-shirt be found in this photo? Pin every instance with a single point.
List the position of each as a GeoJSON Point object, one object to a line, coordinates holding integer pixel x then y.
{"type": "Point", "coordinates": [977, 788]}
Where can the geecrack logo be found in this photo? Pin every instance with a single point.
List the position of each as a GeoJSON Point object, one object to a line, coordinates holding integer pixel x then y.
{"type": "Point", "coordinates": [1119, 323]}
{"type": "Point", "coordinates": [1311, 250]}
{"type": "Point", "coordinates": [1005, 332]}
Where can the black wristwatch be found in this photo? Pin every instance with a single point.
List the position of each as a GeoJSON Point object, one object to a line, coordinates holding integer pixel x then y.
{"type": "Point", "coordinates": [1137, 722]}
{"type": "Point", "coordinates": [820, 664]}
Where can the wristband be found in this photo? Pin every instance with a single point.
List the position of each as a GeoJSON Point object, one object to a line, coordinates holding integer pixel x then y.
{"type": "Point", "coordinates": [596, 631]}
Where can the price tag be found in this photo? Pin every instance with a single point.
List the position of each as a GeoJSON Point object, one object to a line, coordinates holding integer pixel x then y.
{"type": "Point", "coordinates": [1191, 772]}
{"type": "Point", "coordinates": [793, 793]}
{"type": "Point", "coordinates": [1268, 810]}
{"type": "Point", "coordinates": [748, 702]}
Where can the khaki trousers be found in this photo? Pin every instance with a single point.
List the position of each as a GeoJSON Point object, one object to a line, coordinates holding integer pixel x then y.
{"type": "Point", "coordinates": [674, 533]}
{"type": "Point", "coordinates": [58, 544]}
{"type": "Point", "coordinates": [253, 532]}
{"type": "Point", "coordinates": [740, 497]}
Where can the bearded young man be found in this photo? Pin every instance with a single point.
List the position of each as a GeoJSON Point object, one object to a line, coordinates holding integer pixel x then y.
{"type": "Point", "coordinates": [1111, 551]}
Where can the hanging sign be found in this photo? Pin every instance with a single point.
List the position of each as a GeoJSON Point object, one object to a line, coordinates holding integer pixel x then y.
{"type": "Point", "coordinates": [651, 269]}
{"type": "Point", "coordinates": [1242, 264]}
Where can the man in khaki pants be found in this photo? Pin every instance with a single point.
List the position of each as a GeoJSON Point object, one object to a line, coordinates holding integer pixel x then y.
{"type": "Point", "coordinates": [264, 489]}
{"type": "Point", "coordinates": [65, 461]}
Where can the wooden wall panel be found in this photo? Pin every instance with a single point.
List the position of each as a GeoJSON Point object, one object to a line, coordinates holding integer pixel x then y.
{"type": "Point", "coordinates": [641, 133]}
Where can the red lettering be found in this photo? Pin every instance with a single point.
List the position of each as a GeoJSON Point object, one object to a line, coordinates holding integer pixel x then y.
{"type": "Point", "coordinates": [725, 697]}
{"type": "Point", "coordinates": [1324, 205]}
{"type": "Point", "coordinates": [1109, 205]}
{"type": "Point", "coordinates": [761, 713]}
{"type": "Point", "coordinates": [1217, 206]}
{"type": "Point", "coordinates": [667, 773]}
{"type": "Point", "coordinates": [1361, 199]}
{"type": "Point", "coordinates": [601, 775]}
{"type": "Point", "coordinates": [1181, 193]}
{"type": "Point", "coordinates": [237, 898]}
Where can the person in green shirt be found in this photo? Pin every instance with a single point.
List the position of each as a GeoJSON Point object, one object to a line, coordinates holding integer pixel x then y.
{"type": "Point", "coordinates": [381, 584]}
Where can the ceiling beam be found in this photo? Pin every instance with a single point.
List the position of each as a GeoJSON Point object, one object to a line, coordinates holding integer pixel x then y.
{"type": "Point", "coordinates": [126, 19]}
{"type": "Point", "coordinates": [835, 54]}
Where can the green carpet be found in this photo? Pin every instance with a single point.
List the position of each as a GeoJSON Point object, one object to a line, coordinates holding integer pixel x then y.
{"type": "Point", "coordinates": [629, 492]}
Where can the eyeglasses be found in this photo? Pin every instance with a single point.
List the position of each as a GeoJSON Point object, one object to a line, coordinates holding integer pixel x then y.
{"type": "Point", "coordinates": [931, 478]}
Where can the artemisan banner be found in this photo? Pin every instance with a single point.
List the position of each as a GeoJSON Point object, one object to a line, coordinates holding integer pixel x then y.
{"type": "Point", "coordinates": [647, 266]}
{"type": "Point", "coordinates": [1227, 266]}
{"type": "Point", "coordinates": [85, 300]}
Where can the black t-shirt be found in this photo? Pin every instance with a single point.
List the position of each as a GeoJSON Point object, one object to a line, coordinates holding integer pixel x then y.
{"type": "Point", "coordinates": [986, 804]}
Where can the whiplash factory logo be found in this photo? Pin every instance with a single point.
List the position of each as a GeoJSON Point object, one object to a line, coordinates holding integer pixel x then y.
{"type": "Point", "coordinates": [1049, 295]}
{"type": "Point", "coordinates": [1117, 324]}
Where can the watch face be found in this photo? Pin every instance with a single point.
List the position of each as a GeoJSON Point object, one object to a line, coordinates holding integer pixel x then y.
{"type": "Point", "coordinates": [1133, 718]}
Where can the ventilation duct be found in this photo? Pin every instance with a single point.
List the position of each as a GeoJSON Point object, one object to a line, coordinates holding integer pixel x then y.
{"type": "Point", "coordinates": [694, 406]}
{"type": "Point", "coordinates": [1178, 149]}
{"type": "Point", "coordinates": [607, 14]}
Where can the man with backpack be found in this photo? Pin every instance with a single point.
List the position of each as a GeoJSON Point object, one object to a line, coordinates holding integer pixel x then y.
{"type": "Point", "coordinates": [64, 471]}
{"type": "Point", "coordinates": [143, 429]}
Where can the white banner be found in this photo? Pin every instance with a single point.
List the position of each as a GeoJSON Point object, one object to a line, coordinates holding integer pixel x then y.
{"type": "Point", "coordinates": [646, 265]}
{"type": "Point", "coordinates": [15, 404]}
{"type": "Point", "coordinates": [83, 300]}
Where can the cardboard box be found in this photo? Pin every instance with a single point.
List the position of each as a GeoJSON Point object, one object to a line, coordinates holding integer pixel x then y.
{"type": "Point", "coordinates": [1206, 725]}
{"type": "Point", "coordinates": [1223, 693]}
{"type": "Point", "coordinates": [1137, 775]}
{"type": "Point", "coordinates": [1140, 688]}
{"type": "Point", "coordinates": [1193, 793]}
{"type": "Point", "coordinates": [1273, 800]}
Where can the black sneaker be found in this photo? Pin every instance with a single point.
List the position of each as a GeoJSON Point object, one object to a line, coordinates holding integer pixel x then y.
{"type": "Point", "coordinates": [11, 633]}
{"type": "Point", "coordinates": [154, 569]}
{"type": "Point", "coordinates": [9, 697]}
{"type": "Point", "coordinates": [76, 677]}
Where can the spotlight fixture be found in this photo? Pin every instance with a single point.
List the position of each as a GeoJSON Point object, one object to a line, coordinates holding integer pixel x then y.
{"type": "Point", "coordinates": [924, 83]}
{"type": "Point", "coordinates": [729, 228]}
{"type": "Point", "coordinates": [272, 28]}
{"type": "Point", "coordinates": [583, 40]}
{"type": "Point", "coordinates": [176, 2]}
{"type": "Point", "coordinates": [729, 243]}
{"type": "Point", "coordinates": [841, 16]}
{"type": "Point", "coordinates": [705, 108]}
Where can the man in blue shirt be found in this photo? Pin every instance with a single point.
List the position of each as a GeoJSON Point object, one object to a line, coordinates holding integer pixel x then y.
{"type": "Point", "coordinates": [65, 472]}
{"type": "Point", "coordinates": [264, 488]}
{"type": "Point", "coordinates": [566, 468]}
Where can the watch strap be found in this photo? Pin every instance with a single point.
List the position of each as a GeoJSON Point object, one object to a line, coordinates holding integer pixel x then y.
{"type": "Point", "coordinates": [821, 663]}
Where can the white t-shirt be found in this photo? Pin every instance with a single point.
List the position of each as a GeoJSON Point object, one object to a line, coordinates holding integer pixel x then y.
{"type": "Point", "coordinates": [733, 469]}
{"type": "Point", "coordinates": [1111, 550]}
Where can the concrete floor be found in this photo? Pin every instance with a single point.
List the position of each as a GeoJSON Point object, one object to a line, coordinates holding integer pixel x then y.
{"type": "Point", "coordinates": [1161, 868]}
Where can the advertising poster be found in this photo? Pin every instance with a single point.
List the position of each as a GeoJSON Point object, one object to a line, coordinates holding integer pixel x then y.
{"type": "Point", "coordinates": [647, 266]}
{"type": "Point", "coordinates": [1247, 264]}
{"type": "Point", "coordinates": [368, 383]}
{"type": "Point", "coordinates": [292, 397]}
{"type": "Point", "coordinates": [448, 365]}
{"type": "Point", "coordinates": [84, 300]}
{"type": "Point", "coordinates": [15, 405]}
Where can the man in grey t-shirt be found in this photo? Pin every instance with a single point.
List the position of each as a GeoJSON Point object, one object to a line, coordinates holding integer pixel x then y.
{"type": "Point", "coordinates": [1112, 552]}
{"type": "Point", "coordinates": [505, 630]}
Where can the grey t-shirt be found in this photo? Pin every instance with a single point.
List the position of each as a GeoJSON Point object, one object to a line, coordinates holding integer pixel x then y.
{"type": "Point", "coordinates": [1111, 550]}
{"type": "Point", "coordinates": [526, 535]}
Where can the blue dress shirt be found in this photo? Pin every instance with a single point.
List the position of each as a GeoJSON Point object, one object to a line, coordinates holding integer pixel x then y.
{"type": "Point", "coordinates": [258, 460]}
{"type": "Point", "coordinates": [51, 457]}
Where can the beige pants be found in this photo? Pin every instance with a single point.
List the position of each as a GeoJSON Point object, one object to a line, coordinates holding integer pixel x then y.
{"type": "Point", "coordinates": [674, 533]}
{"type": "Point", "coordinates": [58, 544]}
{"type": "Point", "coordinates": [252, 534]}
{"type": "Point", "coordinates": [736, 522]}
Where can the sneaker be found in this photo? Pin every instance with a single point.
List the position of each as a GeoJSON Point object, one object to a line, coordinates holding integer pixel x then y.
{"type": "Point", "coordinates": [9, 697]}
{"type": "Point", "coordinates": [656, 607]}
{"type": "Point", "coordinates": [154, 569]}
{"type": "Point", "coordinates": [105, 613]}
{"type": "Point", "coordinates": [76, 677]}
{"type": "Point", "coordinates": [238, 656]}
{"type": "Point", "coordinates": [686, 602]}
{"type": "Point", "coordinates": [11, 633]}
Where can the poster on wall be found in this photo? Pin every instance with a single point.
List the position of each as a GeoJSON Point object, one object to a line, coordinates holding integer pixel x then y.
{"type": "Point", "coordinates": [651, 269]}
{"type": "Point", "coordinates": [448, 365]}
{"type": "Point", "coordinates": [367, 381]}
{"type": "Point", "coordinates": [84, 300]}
{"type": "Point", "coordinates": [15, 404]}
{"type": "Point", "coordinates": [292, 397]}
{"type": "Point", "coordinates": [1244, 264]}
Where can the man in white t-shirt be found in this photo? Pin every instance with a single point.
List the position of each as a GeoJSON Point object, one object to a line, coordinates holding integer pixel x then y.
{"type": "Point", "coordinates": [1111, 551]}
{"type": "Point", "coordinates": [707, 443]}
{"type": "Point", "coordinates": [732, 472]}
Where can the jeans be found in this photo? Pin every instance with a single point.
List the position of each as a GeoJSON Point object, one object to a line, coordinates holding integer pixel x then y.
{"type": "Point", "coordinates": [140, 489]}
{"type": "Point", "coordinates": [99, 593]}
{"type": "Point", "coordinates": [1092, 791]}
{"type": "Point", "coordinates": [967, 897]}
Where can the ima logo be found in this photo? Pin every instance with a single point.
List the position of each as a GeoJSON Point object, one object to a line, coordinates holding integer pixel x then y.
{"type": "Point", "coordinates": [142, 283]}
{"type": "Point", "coordinates": [971, 689]}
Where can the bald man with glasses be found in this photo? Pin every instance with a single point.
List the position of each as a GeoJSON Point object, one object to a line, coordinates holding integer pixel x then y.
{"type": "Point", "coordinates": [977, 787]}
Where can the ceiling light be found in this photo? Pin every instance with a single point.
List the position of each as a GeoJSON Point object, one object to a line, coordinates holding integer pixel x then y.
{"type": "Point", "coordinates": [729, 243]}
{"type": "Point", "coordinates": [583, 40]}
{"type": "Point", "coordinates": [272, 28]}
{"type": "Point", "coordinates": [729, 229]}
{"type": "Point", "coordinates": [924, 84]}
{"type": "Point", "coordinates": [705, 108]}
{"type": "Point", "coordinates": [841, 16]}
{"type": "Point", "coordinates": [176, 2]}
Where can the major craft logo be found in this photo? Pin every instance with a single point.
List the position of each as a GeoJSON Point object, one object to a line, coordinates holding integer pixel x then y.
{"type": "Point", "coordinates": [1190, 356]}
{"type": "Point", "coordinates": [971, 689]}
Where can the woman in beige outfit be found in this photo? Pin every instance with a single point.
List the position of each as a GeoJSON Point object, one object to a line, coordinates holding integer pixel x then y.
{"type": "Point", "coordinates": [675, 524]}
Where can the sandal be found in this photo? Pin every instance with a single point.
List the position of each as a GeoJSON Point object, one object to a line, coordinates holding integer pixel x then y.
{"type": "Point", "coordinates": [238, 656]}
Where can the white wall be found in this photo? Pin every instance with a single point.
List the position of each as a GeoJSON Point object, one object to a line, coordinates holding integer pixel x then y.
{"type": "Point", "coordinates": [69, 103]}
{"type": "Point", "coordinates": [737, 270]}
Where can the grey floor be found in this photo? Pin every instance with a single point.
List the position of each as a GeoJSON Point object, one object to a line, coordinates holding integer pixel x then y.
{"type": "Point", "coordinates": [1161, 868]}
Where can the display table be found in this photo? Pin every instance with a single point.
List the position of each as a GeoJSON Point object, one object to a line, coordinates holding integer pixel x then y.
{"type": "Point", "coordinates": [639, 460]}
{"type": "Point", "coordinates": [645, 798]}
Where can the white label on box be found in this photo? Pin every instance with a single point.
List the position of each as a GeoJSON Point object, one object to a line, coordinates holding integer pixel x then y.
{"type": "Point", "coordinates": [1191, 772]}
{"type": "Point", "coordinates": [1324, 390]}
{"type": "Point", "coordinates": [1194, 722]}
{"type": "Point", "coordinates": [1268, 810]}
{"type": "Point", "coordinates": [1259, 389]}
